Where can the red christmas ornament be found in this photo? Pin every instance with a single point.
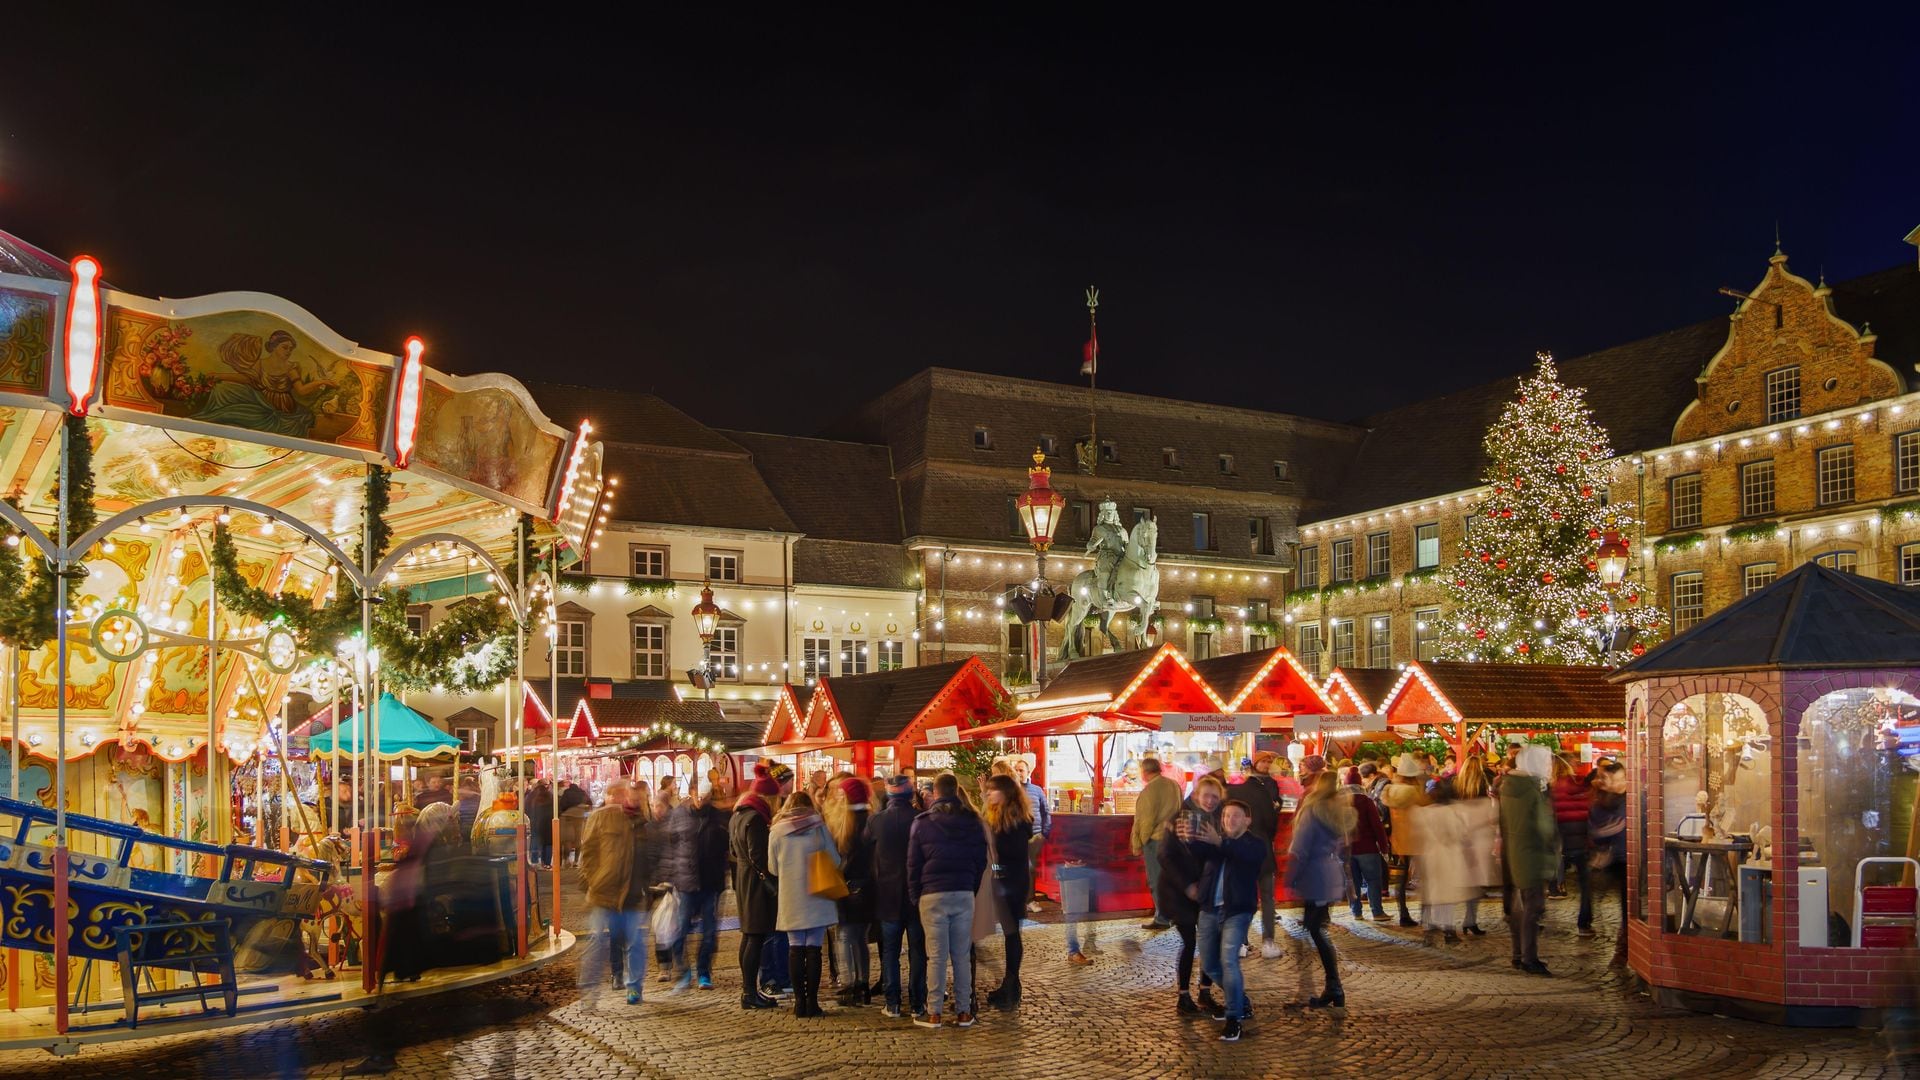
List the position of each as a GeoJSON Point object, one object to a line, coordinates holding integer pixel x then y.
{"type": "Point", "coordinates": [1481, 634]}
{"type": "Point", "coordinates": [1555, 396]}
{"type": "Point", "coordinates": [1592, 565]}
{"type": "Point", "coordinates": [1556, 515]}
{"type": "Point", "coordinates": [1639, 649]}
{"type": "Point", "coordinates": [1497, 489]}
{"type": "Point", "coordinates": [1486, 556]}
{"type": "Point", "coordinates": [1633, 598]}
{"type": "Point", "coordinates": [1521, 648]}
{"type": "Point", "coordinates": [1506, 513]}
{"type": "Point", "coordinates": [1593, 534]}
{"type": "Point", "coordinates": [1500, 564]}
{"type": "Point", "coordinates": [1584, 613]}
{"type": "Point", "coordinates": [1606, 607]}
{"type": "Point", "coordinates": [1560, 469]}
{"type": "Point", "coordinates": [1461, 582]}
{"type": "Point", "coordinates": [1586, 493]}
{"type": "Point", "coordinates": [1556, 429]}
{"type": "Point", "coordinates": [1546, 578]}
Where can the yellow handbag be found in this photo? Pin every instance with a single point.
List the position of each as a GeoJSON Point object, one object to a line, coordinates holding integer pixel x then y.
{"type": "Point", "coordinates": [824, 877]}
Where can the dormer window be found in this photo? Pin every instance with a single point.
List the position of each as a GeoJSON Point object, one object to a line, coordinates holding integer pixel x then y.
{"type": "Point", "coordinates": [1226, 464]}
{"type": "Point", "coordinates": [1169, 457]}
{"type": "Point", "coordinates": [982, 438]}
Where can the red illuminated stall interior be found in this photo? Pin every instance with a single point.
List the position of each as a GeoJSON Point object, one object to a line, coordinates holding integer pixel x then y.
{"type": "Point", "coordinates": [893, 709]}
{"type": "Point", "coordinates": [1457, 698]}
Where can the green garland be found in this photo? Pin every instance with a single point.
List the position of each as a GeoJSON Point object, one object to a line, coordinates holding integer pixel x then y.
{"type": "Point", "coordinates": [1419, 577]}
{"type": "Point", "coordinates": [1667, 545]}
{"type": "Point", "coordinates": [467, 651]}
{"type": "Point", "coordinates": [1753, 532]}
{"type": "Point", "coordinates": [1307, 595]}
{"type": "Point", "coordinates": [1900, 511]}
{"type": "Point", "coordinates": [27, 604]}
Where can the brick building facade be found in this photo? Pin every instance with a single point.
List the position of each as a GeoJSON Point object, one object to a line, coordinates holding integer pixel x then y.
{"type": "Point", "coordinates": [1782, 434]}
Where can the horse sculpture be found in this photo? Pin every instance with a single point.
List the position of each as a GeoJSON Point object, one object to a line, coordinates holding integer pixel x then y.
{"type": "Point", "coordinates": [1136, 588]}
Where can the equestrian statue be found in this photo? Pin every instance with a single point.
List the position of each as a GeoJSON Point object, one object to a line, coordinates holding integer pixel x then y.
{"type": "Point", "coordinates": [1125, 577]}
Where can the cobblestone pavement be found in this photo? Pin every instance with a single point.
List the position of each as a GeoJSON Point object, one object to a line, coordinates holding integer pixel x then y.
{"type": "Point", "coordinates": [1413, 1012]}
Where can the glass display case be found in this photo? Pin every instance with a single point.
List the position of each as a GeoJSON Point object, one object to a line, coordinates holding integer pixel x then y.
{"type": "Point", "coordinates": [1859, 753]}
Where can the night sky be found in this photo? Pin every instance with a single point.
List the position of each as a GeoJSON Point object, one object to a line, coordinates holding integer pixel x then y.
{"type": "Point", "coordinates": [768, 223]}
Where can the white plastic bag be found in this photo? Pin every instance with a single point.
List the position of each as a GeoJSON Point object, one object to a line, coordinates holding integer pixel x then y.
{"type": "Point", "coordinates": [666, 920]}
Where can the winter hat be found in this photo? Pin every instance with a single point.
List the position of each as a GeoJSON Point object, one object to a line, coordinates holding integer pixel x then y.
{"type": "Point", "coordinates": [901, 784]}
{"type": "Point", "coordinates": [855, 790]}
{"type": "Point", "coordinates": [1313, 763]}
{"type": "Point", "coordinates": [1264, 757]}
{"type": "Point", "coordinates": [1409, 765]}
{"type": "Point", "coordinates": [765, 787]}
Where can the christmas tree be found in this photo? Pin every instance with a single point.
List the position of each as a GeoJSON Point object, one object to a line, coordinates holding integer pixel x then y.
{"type": "Point", "coordinates": [1526, 587]}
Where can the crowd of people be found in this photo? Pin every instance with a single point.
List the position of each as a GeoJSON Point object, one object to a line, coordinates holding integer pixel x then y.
{"type": "Point", "coordinates": [825, 872]}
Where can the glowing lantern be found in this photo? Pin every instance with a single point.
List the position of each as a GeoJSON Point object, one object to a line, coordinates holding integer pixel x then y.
{"type": "Point", "coordinates": [1612, 557]}
{"type": "Point", "coordinates": [83, 333]}
{"type": "Point", "coordinates": [1040, 505]}
{"type": "Point", "coordinates": [406, 409]}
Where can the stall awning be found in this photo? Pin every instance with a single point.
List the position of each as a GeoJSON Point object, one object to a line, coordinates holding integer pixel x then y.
{"type": "Point", "coordinates": [1080, 723]}
{"type": "Point", "coordinates": [799, 746]}
{"type": "Point", "coordinates": [402, 733]}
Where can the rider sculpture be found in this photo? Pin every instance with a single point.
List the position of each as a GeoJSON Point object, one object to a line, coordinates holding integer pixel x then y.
{"type": "Point", "coordinates": [1107, 545]}
{"type": "Point", "coordinates": [1125, 578]}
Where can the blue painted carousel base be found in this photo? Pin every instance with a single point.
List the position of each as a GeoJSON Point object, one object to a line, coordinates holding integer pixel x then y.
{"type": "Point", "coordinates": [279, 997]}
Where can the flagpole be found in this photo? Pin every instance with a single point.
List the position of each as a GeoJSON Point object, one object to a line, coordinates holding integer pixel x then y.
{"type": "Point", "coordinates": [1092, 368]}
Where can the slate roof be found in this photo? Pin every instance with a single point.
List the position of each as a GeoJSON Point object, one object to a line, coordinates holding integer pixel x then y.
{"type": "Point", "coordinates": [1889, 302]}
{"type": "Point", "coordinates": [832, 490]}
{"type": "Point", "coordinates": [880, 705]}
{"type": "Point", "coordinates": [666, 485]}
{"type": "Point", "coordinates": [838, 562]}
{"type": "Point", "coordinates": [1106, 674]}
{"type": "Point", "coordinates": [1372, 683]}
{"type": "Point", "coordinates": [1813, 618]}
{"type": "Point", "coordinates": [627, 417]}
{"type": "Point", "coordinates": [1488, 692]}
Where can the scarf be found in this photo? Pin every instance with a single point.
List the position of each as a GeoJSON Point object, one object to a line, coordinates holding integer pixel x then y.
{"type": "Point", "coordinates": [755, 803]}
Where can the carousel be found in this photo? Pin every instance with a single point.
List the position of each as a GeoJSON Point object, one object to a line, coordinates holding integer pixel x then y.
{"type": "Point", "coordinates": [221, 513]}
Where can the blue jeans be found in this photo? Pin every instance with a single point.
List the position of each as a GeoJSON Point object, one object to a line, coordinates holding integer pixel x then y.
{"type": "Point", "coordinates": [773, 962]}
{"type": "Point", "coordinates": [916, 936]}
{"type": "Point", "coordinates": [1076, 901]}
{"type": "Point", "coordinates": [1370, 874]}
{"type": "Point", "coordinates": [948, 918]}
{"type": "Point", "coordinates": [1220, 939]}
{"type": "Point", "coordinates": [702, 907]}
{"type": "Point", "coordinates": [615, 928]}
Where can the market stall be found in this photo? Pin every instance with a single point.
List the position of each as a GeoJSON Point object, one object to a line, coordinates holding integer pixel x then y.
{"type": "Point", "coordinates": [214, 498]}
{"type": "Point", "coordinates": [1773, 753]}
{"type": "Point", "coordinates": [655, 740]}
{"type": "Point", "coordinates": [1094, 723]}
{"type": "Point", "coordinates": [1360, 690]}
{"type": "Point", "coordinates": [1471, 705]}
{"type": "Point", "coordinates": [905, 720]}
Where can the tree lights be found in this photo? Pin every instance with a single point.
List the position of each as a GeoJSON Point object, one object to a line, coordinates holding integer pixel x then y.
{"type": "Point", "coordinates": [1529, 584]}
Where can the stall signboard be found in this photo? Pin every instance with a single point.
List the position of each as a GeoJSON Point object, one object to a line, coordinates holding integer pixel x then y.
{"type": "Point", "coordinates": [1237, 723]}
{"type": "Point", "coordinates": [1340, 725]}
{"type": "Point", "coordinates": [943, 736]}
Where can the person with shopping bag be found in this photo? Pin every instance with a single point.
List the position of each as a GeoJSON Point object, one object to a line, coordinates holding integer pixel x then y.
{"type": "Point", "coordinates": [616, 866]}
{"type": "Point", "coordinates": [806, 862]}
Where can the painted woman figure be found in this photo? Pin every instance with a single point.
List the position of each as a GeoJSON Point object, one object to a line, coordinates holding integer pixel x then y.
{"type": "Point", "coordinates": [266, 390]}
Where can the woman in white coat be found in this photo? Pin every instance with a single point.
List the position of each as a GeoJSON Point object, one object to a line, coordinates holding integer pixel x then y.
{"type": "Point", "coordinates": [798, 834]}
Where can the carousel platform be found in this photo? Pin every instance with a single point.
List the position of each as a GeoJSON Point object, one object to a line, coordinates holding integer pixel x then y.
{"type": "Point", "coordinates": [261, 1000]}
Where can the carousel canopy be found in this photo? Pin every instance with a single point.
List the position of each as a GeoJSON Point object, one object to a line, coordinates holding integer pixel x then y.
{"type": "Point", "coordinates": [244, 411]}
{"type": "Point", "coordinates": [402, 733]}
{"type": "Point", "coordinates": [1811, 619]}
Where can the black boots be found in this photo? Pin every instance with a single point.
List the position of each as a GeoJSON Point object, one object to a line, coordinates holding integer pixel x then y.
{"type": "Point", "coordinates": [750, 995]}
{"type": "Point", "coordinates": [805, 964]}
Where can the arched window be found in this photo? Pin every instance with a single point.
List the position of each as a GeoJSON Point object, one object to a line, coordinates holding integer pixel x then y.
{"type": "Point", "coordinates": [1857, 779]}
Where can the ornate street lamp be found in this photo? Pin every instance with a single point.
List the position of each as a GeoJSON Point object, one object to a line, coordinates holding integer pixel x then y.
{"type": "Point", "coordinates": [1612, 558]}
{"type": "Point", "coordinates": [1039, 507]}
{"type": "Point", "coordinates": [706, 620]}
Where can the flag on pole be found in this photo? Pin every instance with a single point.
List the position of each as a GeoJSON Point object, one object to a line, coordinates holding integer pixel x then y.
{"type": "Point", "coordinates": [1090, 353]}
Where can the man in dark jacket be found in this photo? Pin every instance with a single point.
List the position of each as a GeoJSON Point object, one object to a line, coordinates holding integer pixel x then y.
{"type": "Point", "coordinates": [696, 867]}
{"type": "Point", "coordinates": [889, 832]}
{"type": "Point", "coordinates": [1262, 796]}
{"type": "Point", "coordinates": [946, 857]}
{"type": "Point", "coordinates": [754, 886]}
{"type": "Point", "coordinates": [1226, 898]}
{"type": "Point", "coordinates": [540, 824]}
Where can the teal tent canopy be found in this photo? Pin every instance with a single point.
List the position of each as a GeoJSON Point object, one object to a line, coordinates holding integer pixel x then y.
{"type": "Point", "coordinates": [401, 731]}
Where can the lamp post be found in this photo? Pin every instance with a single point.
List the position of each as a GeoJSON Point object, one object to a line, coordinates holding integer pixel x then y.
{"type": "Point", "coordinates": [706, 619]}
{"type": "Point", "coordinates": [1039, 507]}
{"type": "Point", "coordinates": [1612, 558]}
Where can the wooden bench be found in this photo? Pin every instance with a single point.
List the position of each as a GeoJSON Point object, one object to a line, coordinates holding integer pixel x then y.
{"type": "Point", "coordinates": [202, 947]}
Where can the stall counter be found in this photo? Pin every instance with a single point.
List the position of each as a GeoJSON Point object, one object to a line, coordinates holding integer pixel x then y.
{"type": "Point", "coordinates": [1105, 843]}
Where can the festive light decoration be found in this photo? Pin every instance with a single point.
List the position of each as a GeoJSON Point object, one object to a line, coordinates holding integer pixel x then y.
{"type": "Point", "coordinates": [1527, 591]}
{"type": "Point", "coordinates": [406, 406]}
{"type": "Point", "coordinates": [83, 333]}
